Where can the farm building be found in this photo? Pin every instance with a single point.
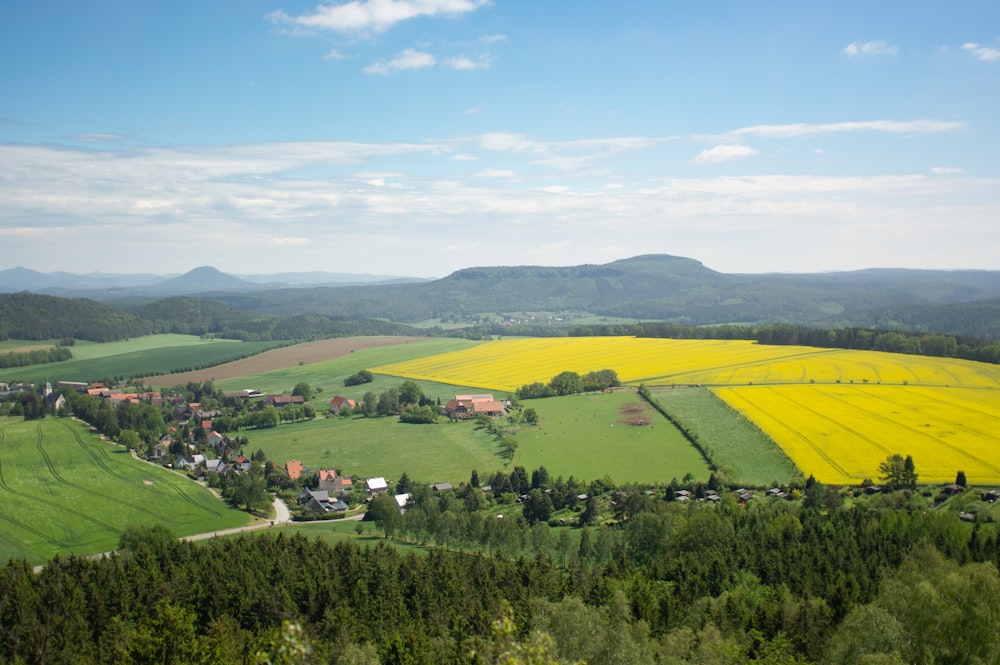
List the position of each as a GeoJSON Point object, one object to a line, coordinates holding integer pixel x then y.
{"type": "Point", "coordinates": [470, 406]}
{"type": "Point", "coordinates": [339, 402]}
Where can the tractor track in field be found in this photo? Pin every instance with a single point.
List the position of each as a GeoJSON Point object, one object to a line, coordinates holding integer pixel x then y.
{"type": "Point", "coordinates": [16, 522]}
{"type": "Point", "coordinates": [99, 459]}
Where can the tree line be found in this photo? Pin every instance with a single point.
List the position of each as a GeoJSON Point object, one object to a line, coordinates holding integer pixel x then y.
{"type": "Point", "coordinates": [883, 581]}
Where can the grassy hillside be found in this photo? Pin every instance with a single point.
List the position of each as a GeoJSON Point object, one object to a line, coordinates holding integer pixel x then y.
{"type": "Point", "coordinates": [64, 490]}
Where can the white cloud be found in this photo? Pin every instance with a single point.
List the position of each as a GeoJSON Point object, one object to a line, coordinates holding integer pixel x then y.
{"type": "Point", "coordinates": [465, 63]}
{"type": "Point", "coordinates": [981, 52]}
{"type": "Point", "coordinates": [797, 130]}
{"type": "Point", "coordinates": [878, 47]}
{"type": "Point", "coordinates": [946, 170]}
{"type": "Point", "coordinates": [109, 201]}
{"type": "Point", "coordinates": [290, 241]}
{"type": "Point", "coordinates": [361, 16]}
{"type": "Point", "coordinates": [404, 60]}
{"type": "Point", "coordinates": [493, 39]}
{"type": "Point", "coordinates": [724, 153]}
{"type": "Point", "coordinates": [336, 55]}
{"type": "Point", "coordinates": [473, 110]}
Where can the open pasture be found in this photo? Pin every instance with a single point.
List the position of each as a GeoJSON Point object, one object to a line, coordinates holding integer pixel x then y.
{"type": "Point", "coordinates": [142, 355]}
{"type": "Point", "coordinates": [64, 490]}
{"type": "Point", "coordinates": [613, 434]}
{"type": "Point", "coordinates": [366, 447]}
{"type": "Point", "coordinates": [840, 433]}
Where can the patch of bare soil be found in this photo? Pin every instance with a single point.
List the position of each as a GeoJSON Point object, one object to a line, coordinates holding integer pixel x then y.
{"type": "Point", "coordinates": [633, 414]}
{"type": "Point", "coordinates": [289, 356]}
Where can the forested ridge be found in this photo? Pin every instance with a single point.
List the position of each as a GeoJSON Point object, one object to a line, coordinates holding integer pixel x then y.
{"type": "Point", "coordinates": [885, 581]}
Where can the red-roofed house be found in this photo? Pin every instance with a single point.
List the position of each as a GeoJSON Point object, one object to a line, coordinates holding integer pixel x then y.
{"type": "Point", "coordinates": [293, 469]}
{"type": "Point", "coordinates": [338, 403]}
{"type": "Point", "coordinates": [470, 406]}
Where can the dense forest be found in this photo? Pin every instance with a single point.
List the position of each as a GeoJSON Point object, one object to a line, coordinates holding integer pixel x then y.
{"type": "Point", "coordinates": [883, 581]}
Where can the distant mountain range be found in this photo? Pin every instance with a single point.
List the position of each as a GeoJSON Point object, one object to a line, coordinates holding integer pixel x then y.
{"type": "Point", "coordinates": [651, 287]}
{"type": "Point", "coordinates": [205, 279]}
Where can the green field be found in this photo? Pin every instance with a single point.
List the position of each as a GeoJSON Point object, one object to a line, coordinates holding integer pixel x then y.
{"type": "Point", "coordinates": [587, 436]}
{"type": "Point", "coordinates": [64, 490]}
{"type": "Point", "coordinates": [366, 447]}
{"type": "Point", "coordinates": [330, 374]}
{"type": "Point", "coordinates": [751, 457]}
{"type": "Point", "coordinates": [154, 354]}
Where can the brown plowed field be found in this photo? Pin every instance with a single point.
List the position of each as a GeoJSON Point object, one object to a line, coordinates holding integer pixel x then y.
{"type": "Point", "coordinates": [289, 356]}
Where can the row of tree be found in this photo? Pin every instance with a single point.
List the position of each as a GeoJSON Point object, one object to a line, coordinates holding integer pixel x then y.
{"type": "Point", "coordinates": [570, 383]}
{"type": "Point", "coordinates": [883, 581]}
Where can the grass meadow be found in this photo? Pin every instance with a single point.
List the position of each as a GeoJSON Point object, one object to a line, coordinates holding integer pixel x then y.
{"type": "Point", "coordinates": [64, 490]}
{"type": "Point", "coordinates": [366, 447]}
{"type": "Point", "coordinates": [750, 456]}
{"type": "Point", "coordinates": [594, 435]}
{"type": "Point", "coordinates": [153, 354]}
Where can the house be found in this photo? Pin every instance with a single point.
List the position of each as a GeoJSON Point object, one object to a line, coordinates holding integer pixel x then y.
{"type": "Point", "coordinates": [320, 502]}
{"type": "Point", "coordinates": [442, 487]}
{"type": "Point", "coordinates": [953, 489]}
{"type": "Point", "coordinates": [328, 479]}
{"type": "Point", "coordinates": [243, 463]}
{"type": "Point", "coordinates": [293, 469]}
{"type": "Point", "coordinates": [339, 402]}
{"type": "Point", "coordinates": [281, 401]}
{"type": "Point", "coordinates": [375, 485]}
{"type": "Point", "coordinates": [214, 438]}
{"type": "Point", "coordinates": [55, 402]}
{"type": "Point", "coordinates": [216, 466]}
{"type": "Point", "coordinates": [991, 496]}
{"type": "Point", "coordinates": [470, 406]}
{"type": "Point", "coordinates": [401, 500]}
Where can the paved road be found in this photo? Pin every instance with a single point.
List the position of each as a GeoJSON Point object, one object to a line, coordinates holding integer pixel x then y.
{"type": "Point", "coordinates": [281, 516]}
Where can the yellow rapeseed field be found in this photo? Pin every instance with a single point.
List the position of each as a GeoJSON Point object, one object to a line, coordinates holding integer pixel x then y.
{"type": "Point", "coordinates": [840, 433]}
{"type": "Point", "coordinates": [836, 413]}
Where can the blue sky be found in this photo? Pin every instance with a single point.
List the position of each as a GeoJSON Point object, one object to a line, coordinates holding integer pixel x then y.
{"type": "Point", "coordinates": [416, 137]}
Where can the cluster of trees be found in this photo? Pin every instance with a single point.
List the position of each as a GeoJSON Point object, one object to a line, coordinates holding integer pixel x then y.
{"type": "Point", "coordinates": [406, 400]}
{"type": "Point", "coordinates": [770, 583]}
{"type": "Point", "coordinates": [37, 357]}
{"type": "Point", "coordinates": [358, 378]}
{"type": "Point", "coordinates": [570, 383]}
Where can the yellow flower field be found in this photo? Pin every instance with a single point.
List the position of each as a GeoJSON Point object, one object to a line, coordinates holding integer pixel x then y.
{"type": "Point", "coordinates": [840, 433]}
{"type": "Point", "coordinates": [836, 413]}
{"type": "Point", "coordinates": [505, 365]}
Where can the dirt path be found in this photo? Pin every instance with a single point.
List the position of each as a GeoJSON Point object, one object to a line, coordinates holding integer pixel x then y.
{"type": "Point", "coordinates": [289, 356]}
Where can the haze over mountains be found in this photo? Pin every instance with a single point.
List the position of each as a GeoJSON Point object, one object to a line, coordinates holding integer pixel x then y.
{"type": "Point", "coordinates": [654, 287]}
{"type": "Point", "coordinates": [204, 279]}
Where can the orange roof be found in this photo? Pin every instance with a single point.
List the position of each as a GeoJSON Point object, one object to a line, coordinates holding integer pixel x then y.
{"type": "Point", "coordinates": [294, 469]}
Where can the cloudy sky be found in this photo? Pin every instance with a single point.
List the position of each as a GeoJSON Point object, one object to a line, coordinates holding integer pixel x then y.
{"type": "Point", "coordinates": [416, 137]}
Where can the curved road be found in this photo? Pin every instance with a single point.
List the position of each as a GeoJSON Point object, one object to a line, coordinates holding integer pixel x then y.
{"type": "Point", "coordinates": [281, 516]}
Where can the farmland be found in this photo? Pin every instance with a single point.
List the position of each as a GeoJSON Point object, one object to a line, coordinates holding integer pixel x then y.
{"type": "Point", "coordinates": [142, 355]}
{"type": "Point", "coordinates": [840, 433]}
{"type": "Point", "coordinates": [836, 413]}
{"type": "Point", "coordinates": [64, 490]}
{"type": "Point", "coordinates": [746, 454]}
{"type": "Point", "coordinates": [368, 447]}
{"type": "Point", "coordinates": [607, 434]}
